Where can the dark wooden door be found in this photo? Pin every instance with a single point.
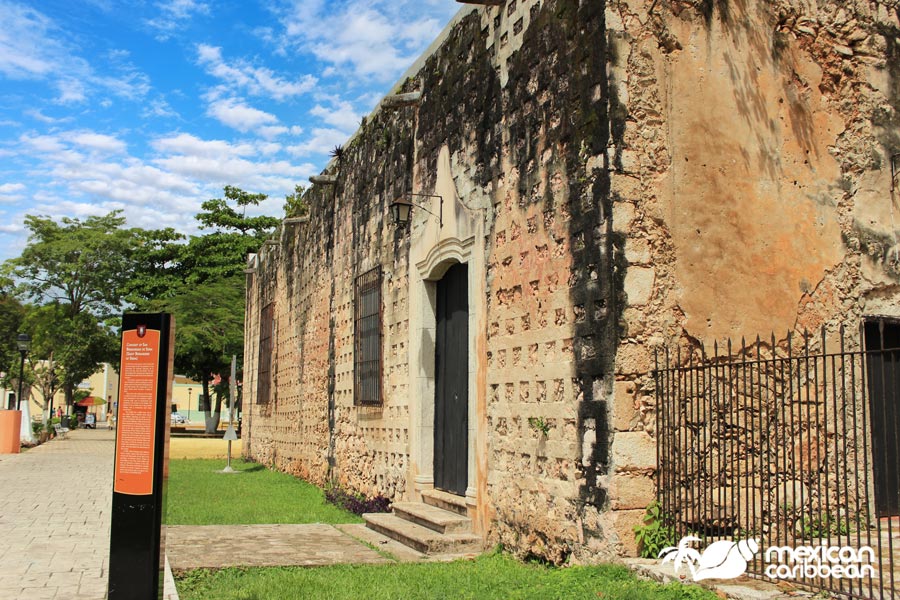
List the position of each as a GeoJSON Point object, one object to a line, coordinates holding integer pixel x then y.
{"type": "Point", "coordinates": [883, 369]}
{"type": "Point", "coordinates": [451, 382]}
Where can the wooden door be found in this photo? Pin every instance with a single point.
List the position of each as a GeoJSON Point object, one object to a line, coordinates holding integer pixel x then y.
{"type": "Point", "coordinates": [883, 367]}
{"type": "Point", "coordinates": [451, 395]}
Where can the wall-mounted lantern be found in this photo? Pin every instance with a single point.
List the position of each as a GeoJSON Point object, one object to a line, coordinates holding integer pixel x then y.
{"type": "Point", "coordinates": [401, 208]}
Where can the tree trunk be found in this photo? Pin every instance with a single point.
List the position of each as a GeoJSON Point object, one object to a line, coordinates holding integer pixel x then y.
{"type": "Point", "coordinates": [212, 420]}
{"type": "Point", "coordinates": [69, 389]}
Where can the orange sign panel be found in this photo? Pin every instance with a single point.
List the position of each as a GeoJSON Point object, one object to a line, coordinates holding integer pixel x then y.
{"type": "Point", "coordinates": [135, 440]}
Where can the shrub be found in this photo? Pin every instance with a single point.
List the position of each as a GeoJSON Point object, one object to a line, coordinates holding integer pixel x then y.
{"type": "Point", "coordinates": [655, 532]}
{"type": "Point", "coordinates": [357, 503]}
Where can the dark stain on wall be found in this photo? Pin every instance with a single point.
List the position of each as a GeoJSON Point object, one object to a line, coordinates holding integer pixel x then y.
{"type": "Point", "coordinates": [461, 94]}
{"type": "Point", "coordinates": [565, 49]}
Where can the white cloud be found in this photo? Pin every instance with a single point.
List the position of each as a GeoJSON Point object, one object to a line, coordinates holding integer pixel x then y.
{"type": "Point", "coordinates": [9, 188]}
{"type": "Point", "coordinates": [321, 142]}
{"type": "Point", "coordinates": [342, 115]}
{"type": "Point", "coordinates": [159, 107]}
{"type": "Point", "coordinates": [96, 142]}
{"type": "Point", "coordinates": [272, 131]}
{"type": "Point", "coordinates": [366, 38]}
{"type": "Point", "coordinates": [254, 80]}
{"type": "Point", "coordinates": [173, 16]}
{"type": "Point", "coordinates": [39, 116]}
{"type": "Point", "coordinates": [26, 49]}
{"type": "Point", "coordinates": [71, 91]}
{"type": "Point", "coordinates": [238, 115]}
{"type": "Point", "coordinates": [190, 145]}
{"type": "Point", "coordinates": [33, 47]}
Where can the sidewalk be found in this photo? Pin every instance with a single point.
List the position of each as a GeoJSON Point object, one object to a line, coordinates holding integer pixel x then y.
{"type": "Point", "coordinates": [55, 507]}
{"type": "Point", "coordinates": [54, 518]}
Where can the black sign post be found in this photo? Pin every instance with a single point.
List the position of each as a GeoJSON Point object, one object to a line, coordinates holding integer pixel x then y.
{"type": "Point", "coordinates": [137, 549]}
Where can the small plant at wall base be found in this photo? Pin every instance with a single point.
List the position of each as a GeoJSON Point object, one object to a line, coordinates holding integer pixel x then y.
{"type": "Point", "coordinates": [654, 533]}
{"type": "Point", "coordinates": [357, 503]}
{"type": "Point", "coordinates": [823, 526]}
{"type": "Point", "coordinates": [539, 424]}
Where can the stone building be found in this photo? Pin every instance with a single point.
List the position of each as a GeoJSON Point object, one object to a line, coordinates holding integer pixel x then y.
{"type": "Point", "coordinates": [592, 180]}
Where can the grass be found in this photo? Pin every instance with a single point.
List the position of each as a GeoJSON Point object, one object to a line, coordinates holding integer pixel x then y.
{"type": "Point", "coordinates": [492, 576]}
{"type": "Point", "coordinates": [198, 495]}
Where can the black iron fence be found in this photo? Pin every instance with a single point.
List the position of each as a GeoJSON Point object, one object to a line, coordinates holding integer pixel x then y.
{"type": "Point", "coordinates": [792, 445]}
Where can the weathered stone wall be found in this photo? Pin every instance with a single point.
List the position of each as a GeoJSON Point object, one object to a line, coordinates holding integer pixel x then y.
{"type": "Point", "coordinates": [640, 174]}
{"type": "Point", "coordinates": [751, 179]}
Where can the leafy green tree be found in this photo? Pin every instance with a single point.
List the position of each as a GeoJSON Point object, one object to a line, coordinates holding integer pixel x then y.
{"type": "Point", "coordinates": [12, 313]}
{"type": "Point", "coordinates": [295, 204]}
{"type": "Point", "coordinates": [79, 270]}
{"type": "Point", "coordinates": [82, 264]}
{"type": "Point", "coordinates": [202, 284]}
{"type": "Point", "coordinates": [209, 329]}
{"type": "Point", "coordinates": [66, 349]}
{"type": "Point", "coordinates": [222, 252]}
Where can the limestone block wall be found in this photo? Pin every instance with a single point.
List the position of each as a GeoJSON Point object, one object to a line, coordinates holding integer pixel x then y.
{"type": "Point", "coordinates": [751, 179]}
{"type": "Point", "coordinates": [636, 174]}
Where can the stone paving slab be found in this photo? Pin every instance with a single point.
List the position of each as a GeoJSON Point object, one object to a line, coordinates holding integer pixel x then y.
{"type": "Point", "coordinates": [55, 509]}
{"type": "Point", "coordinates": [216, 546]}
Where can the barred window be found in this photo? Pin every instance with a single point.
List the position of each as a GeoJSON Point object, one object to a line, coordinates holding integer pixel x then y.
{"type": "Point", "coordinates": [367, 340]}
{"type": "Point", "coordinates": [264, 370]}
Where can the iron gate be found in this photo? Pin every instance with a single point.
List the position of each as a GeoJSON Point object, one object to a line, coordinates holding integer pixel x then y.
{"type": "Point", "coordinates": [774, 442]}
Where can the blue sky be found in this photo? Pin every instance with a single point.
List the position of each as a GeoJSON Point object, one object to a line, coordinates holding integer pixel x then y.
{"type": "Point", "coordinates": [153, 106]}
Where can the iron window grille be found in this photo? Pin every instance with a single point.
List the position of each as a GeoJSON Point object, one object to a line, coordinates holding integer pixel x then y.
{"type": "Point", "coordinates": [367, 334]}
{"type": "Point", "coordinates": [266, 333]}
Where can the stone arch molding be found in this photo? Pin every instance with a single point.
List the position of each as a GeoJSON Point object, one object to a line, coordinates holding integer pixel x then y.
{"type": "Point", "coordinates": [443, 255]}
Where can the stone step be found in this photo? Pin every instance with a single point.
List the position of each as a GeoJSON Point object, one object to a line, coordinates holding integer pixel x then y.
{"type": "Point", "coordinates": [432, 517]}
{"type": "Point", "coordinates": [445, 500]}
{"type": "Point", "coordinates": [421, 538]}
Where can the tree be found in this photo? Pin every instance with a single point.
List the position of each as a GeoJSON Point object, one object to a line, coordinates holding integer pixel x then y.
{"type": "Point", "coordinates": [203, 286]}
{"type": "Point", "coordinates": [209, 329]}
{"type": "Point", "coordinates": [65, 350]}
{"type": "Point", "coordinates": [295, 205]}
{"type": "Point", "coordinates": [11, 315]}
{"type": "Point", "coordinates": [223, 251]}
{"type": "Point", "coordinates": [80, 269]}
{"type": "Point", "coordinates": [84, 265]}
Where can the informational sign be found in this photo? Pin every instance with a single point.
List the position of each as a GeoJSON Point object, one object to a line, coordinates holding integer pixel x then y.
{"type": "Point", "coordinates": [137, 531]}
{"type": "Point", "coordinates": [136, 441]}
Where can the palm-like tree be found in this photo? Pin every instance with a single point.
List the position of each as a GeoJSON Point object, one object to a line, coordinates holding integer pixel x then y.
{"type": "Point", "coordinates": [683, 553]}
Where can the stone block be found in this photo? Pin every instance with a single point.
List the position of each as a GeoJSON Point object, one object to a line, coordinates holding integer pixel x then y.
{"type": "Point", "coordinates": [624, 413]}
{"type": "Point", "coordinates": [633, 451]}
{"type": "Point", "coordinates": [639, 285]}
{"type": "Point", "coordinates": [631, 491]}
{"type": "Point", "coordinates": [623, 212]}
{"type": "Point", "coordinates": [637, 251]}
{"type": "Point", "coordinates": [633, 358]}
{"type": "Point", "coordinates": [623, 523]}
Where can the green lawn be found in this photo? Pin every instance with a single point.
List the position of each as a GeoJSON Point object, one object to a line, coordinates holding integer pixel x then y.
{"type": "Point", "coordinates": [493, 576]}
{"type": "Point", "coordinates": [198, 495]}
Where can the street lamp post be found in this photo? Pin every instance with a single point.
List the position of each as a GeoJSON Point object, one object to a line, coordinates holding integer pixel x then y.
{"type": "Point", "coordinates": [189, 405]}
{"type": "Point", "coordinates": [24, 344]}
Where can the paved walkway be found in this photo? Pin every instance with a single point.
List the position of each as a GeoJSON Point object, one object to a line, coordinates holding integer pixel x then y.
{"type": "Point", "coordinates": [55, 507]}
{"type": "Point", "coordinates": [54, 518]}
